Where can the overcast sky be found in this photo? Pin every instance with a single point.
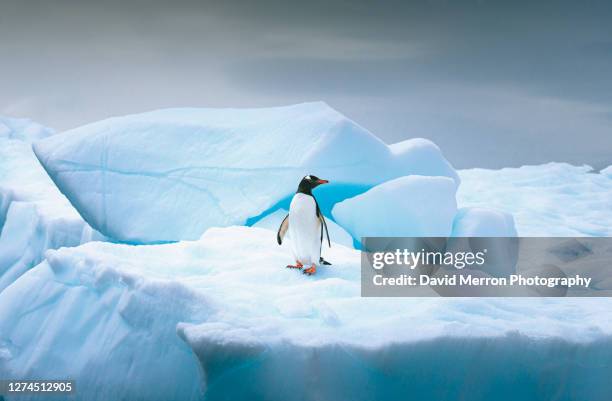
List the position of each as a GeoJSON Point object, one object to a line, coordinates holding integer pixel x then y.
{"type": "Point", "coordinates": [493, 83]}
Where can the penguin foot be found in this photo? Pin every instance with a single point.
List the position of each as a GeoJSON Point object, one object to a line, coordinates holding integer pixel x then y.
{"type": "Point", "coordinates": [297, 265]}
{"type": "Point", "coordinates": [311, 270]}
{"type": "Point", "coordinates": [324, 262]}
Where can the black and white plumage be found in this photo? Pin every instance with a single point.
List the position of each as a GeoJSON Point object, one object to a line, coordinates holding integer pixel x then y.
{"type": "Point", "coordinates": [306, 226]}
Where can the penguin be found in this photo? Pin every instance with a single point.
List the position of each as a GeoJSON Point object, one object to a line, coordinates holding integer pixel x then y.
{"type": "Point", "coordinates": [305, 224]}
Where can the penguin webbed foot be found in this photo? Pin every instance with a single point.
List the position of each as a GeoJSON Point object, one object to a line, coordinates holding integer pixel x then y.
{"type": "Point", "coordinates": [310, 271]}
{"type": "Point", "coordinates": [297, 265]}
{"type": "Point", "coordinates": [324, 262]}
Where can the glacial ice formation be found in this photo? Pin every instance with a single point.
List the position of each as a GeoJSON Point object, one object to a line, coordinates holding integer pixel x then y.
{"type": "Point", "coordinates": [170, 174]}
{"type": "Point", "coordinates": [413, 206]}
{"type": "Point", "coordinates": [222, 318]}
{"type": "Point", "coordinates": [34, 215]}
{"type": "Point", "coordinates": [554, 199]}
{"type": "Point", "coordinates": [481, 222]}
{"type": "Point", "coordinates": [23, 129]}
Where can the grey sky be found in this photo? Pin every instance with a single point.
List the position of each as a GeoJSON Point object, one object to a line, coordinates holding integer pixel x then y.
{"type": "Point", "coordinates": [493, 83]}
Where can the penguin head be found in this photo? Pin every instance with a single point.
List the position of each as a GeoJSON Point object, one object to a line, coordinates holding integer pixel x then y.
{"type": "Point", "coordinates": [309, 182]}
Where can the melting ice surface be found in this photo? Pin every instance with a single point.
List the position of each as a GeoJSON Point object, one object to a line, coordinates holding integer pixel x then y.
{"type": "Point", "coordinates": [219, 317]}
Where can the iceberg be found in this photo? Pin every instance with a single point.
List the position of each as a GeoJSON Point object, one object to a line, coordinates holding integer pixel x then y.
{"type": "Point", "coordinates": [34, 215]}
{"type": "Point", "coordinates": [550, 200]}
{"type": "Point", "coordinates": [110, 332]}
{"type": "Point", "coordinates": [23, 129]}
{"type": "Point", "coordinates": [221, 318]}
{"type": "Point", "coordinates": [412, 206]}
{"type": "Point", "coordinates": [420, 156]}
{"type": "Point", "coordinates": [168, 175]}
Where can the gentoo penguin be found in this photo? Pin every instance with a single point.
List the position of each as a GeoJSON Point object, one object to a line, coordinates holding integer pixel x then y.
{"type": "Point", "coordinates": [305, 224]}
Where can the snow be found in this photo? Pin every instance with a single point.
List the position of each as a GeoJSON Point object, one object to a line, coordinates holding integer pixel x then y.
{"type": "Point", "coordinates": [413, 206]}
{"type": "Point", "coordinates": [607, 172]}
{"type": "Point", "coordinates": [170, 174]}
{"type": "Point", "coordinates": [549, 200]}
{"type": "Point", "coordinates": [34, 215]}
{"type": "Point", "coordinates": [226, 318]}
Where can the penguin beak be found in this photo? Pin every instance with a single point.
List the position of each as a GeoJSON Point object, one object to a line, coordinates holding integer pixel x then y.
{"type": "Point", "coordinates": [322, 182]}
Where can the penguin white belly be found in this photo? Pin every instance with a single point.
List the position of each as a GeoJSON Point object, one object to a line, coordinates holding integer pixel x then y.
{"type": "Point", "coordinates": [304, 229]}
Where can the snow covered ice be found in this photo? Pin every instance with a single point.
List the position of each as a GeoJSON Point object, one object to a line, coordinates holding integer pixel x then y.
{"type": "Point", "coordinates": [481, 222]}
{"type": "Point", "coordinates": [23, 129]}
{"type": "Point", "coordinates": [227, 319]}
{"type": "Point", "coordinates": [554, 199]}
{"type": "Point", "coordinates": [34, 215]}
{"type": "Point", "coordinates": [218, 316]}
{"type": "Point", "coordinates": [170, 174]}
{"type": "Point", "coordinates": [413, 206]}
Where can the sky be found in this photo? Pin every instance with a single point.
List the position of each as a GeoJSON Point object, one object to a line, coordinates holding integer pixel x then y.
{"type": "Point", "coordinates": [493, 83]}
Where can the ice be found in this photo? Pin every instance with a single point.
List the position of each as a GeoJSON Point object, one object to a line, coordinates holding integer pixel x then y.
{"type": "Point", "coordinates": [170, 174]}
{"type": "Point", "coordinates": [222, 318]}
{"type": "Point", "coordinates": [607, 172]}
{"type": "Point", "coordinates": [23, 129]}
{"type": "Point", "coordinates": [420, 156]}
{"type": "Point", "coordinates": [28, 233]}
{"type": "Point", "coordinates": [413, 206]}
{"type": "Point", "coordinates": [34, 215]}
{"type": "Point", "coordinates": [110, 331]}
{"type": "Point", "coordinates": [481, 222]}
{"type": "Point", "coordinates": [484, 223]}
{"type": "Point", "coordinates": [554, 199]}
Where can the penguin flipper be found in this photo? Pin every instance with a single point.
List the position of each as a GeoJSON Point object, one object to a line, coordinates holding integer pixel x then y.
{"type": "Point", "coordinates": [282, 230]}
{"type": "Point", "coordinates": [323, 224]}
{"type": "Point", "coordinates": [324, 227]}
